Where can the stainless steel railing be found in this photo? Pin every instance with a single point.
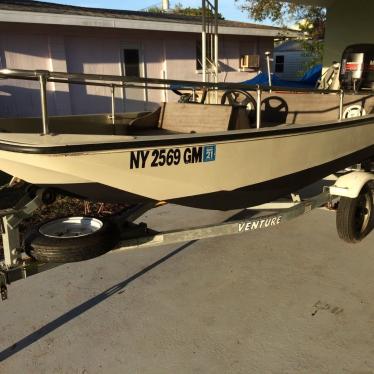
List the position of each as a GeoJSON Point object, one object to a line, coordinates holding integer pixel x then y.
{"type": "Point", "coordinates": [116, 81]}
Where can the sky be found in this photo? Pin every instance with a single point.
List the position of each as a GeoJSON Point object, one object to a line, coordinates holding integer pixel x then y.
{"type": "Point", "coordinates": [228, 8]}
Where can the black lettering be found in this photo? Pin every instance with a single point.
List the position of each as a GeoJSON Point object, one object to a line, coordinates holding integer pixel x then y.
{"type": "Point", "coordinates": [187, 155]}
{"type": "Point", "coordinates": [197, 155]}
{"type": "Point", "coordinates": [144, 156]}
{"type": "Point", "coordinates": [137, 157]}
{"type": "Point", "coordinates": [177, 156]}
{"type": "Point", "coordinates": [155, 158]}
{"type": "Point", "coordinates": [170, 157]}
{"type": "Point", "coordinates": [134, 160]}
{"type": "Point", "coordinates": [162, 157]}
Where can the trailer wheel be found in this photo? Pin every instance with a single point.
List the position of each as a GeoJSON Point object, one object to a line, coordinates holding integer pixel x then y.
{"type": "Point", "coordinates": [71, 239]}
{"type": "Point", "coordinates": [355, 217]}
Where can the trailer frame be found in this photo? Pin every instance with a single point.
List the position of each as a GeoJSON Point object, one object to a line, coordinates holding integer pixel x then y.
{"type": "Point", "coordinates": [18, 265]}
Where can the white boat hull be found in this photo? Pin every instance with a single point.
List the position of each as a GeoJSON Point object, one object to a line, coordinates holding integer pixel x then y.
{"type": "Point", "coordinates": [124, 166]}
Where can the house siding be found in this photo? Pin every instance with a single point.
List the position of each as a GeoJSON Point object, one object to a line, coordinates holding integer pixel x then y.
{"type": "Point", "coordinates": [295, 64]}
{"type": "Point", "coordinates": [99, 51]}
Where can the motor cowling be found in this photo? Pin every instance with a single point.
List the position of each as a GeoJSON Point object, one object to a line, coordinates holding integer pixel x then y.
{"type": "Point", "coordinates": [357, 67]}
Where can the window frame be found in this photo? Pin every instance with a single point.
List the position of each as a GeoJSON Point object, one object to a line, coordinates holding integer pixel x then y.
{"type": "Point", "coordinates": [279, 65]}
{"type": "Point", "coordinates": [131, 65]}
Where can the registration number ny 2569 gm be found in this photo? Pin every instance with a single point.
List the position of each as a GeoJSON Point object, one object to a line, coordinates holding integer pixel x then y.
{"type": "Point", "coordinates": [172, 156]}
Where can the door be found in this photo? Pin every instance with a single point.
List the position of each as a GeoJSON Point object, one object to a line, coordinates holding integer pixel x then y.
{"type": "Point", "coordinates": [133, 66]}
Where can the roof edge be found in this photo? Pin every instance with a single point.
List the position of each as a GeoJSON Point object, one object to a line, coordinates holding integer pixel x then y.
{"type": "Point", "coordinates": [16, 16]}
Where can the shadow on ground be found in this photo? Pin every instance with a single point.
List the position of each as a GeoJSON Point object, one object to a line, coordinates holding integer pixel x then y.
{"type": "Point", "coordinates": [84, 307]}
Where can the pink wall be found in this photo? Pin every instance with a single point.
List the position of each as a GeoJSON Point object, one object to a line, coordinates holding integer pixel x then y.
{"type": "Point", "coordinates": [99, 51]}
{"type": "Point", "coordinates": [19, 51]}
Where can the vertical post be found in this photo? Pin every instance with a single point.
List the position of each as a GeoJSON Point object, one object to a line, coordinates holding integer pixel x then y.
{"type": "Point", "coordinates": [165, 5]}
{"type": "Point", "coordinates": [258, 109]}
{"type": "Point", "coordinates": [43, 101]}
{"type": "Point", "coordinates": [165, 87]}
{"type": "Point", "coordinates": [211, 49]}
{"type": "Point", "coordinates": [341, 104]}
{"type": "Point", "coordinates": [267, 54]}
{"type": "Point", "coordinates": [203, 41]}
{"type": "Point", "coordinates": [164, 71]}
{"type": "Point", "coordinates": [216, 58]}
{"type": "Point", "coordinates": [113, 92]}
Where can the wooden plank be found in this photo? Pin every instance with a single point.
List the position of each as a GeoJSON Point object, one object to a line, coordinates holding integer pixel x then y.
{"type": "Point", "coordinates": [190, 118]}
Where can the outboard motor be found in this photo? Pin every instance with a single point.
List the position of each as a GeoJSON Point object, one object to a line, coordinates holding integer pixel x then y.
{"type": "Point", "coordinates": [357, 67]}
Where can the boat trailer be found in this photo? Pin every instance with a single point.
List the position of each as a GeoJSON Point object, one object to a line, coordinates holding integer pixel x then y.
{"type": "Point", "coordinates": [352, 196]}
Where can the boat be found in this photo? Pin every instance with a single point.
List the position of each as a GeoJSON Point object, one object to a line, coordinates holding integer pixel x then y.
{"type": "Point", "coordinates": [264, 144]}
{"type": "Point", "coordinates": [200, 155]}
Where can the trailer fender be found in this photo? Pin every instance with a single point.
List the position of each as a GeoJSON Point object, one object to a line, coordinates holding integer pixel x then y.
{"type": "Point", "coordinates": [350, 185]}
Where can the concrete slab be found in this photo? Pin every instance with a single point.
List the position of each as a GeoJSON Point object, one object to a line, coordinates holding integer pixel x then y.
{"type": "Point", "coordinates": [291, 299]}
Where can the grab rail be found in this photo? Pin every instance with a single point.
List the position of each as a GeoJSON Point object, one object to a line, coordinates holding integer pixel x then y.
{"type": "Point", "coordinates": [79, 77]}
{"type": "Point", "coordinates": [116, 81]}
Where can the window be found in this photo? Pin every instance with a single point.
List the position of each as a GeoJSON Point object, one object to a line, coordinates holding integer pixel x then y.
{"type": "Point", "coordinates": [279, 64]}
{"type": "Point", "coordinates": [132, 62]}
{"type": "Point", "coordinates": [249, 62]}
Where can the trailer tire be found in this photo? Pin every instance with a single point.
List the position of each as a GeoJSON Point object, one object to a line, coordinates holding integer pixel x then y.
{"type": "Point", "coordinates": [45, 245]}
{"type": "Point", "coordinates": [355, 217]}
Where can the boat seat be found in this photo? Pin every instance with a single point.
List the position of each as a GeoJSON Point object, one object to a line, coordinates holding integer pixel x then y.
{"type": "Point", "coordinates": [129, 122]}
{"type": "Point", "coordinates": [149, 120]}
{"type": "Point", "coordinates": [198, 118]}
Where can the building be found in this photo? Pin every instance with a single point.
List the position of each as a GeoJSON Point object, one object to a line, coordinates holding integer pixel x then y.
{"type": "Point", "coordinates": [39, 35]}
{"type": "Point", "coordinates": [291, 60]}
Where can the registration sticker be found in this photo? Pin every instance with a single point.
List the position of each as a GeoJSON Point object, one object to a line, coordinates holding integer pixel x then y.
{"type": "Point", "coordinates": [209, 153]}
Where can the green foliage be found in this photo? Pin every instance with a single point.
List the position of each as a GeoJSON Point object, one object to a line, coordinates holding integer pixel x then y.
{"type": "Point", "coordinates": [311, 19]}
{"type": "Point", "coordinates": [313, 48]}
{"type": "Point", "coordinates": [154, 9]}
{"type": "Point", "coordinates": [197, 12]}
{"type": "Point", "coordinates": [179, 9]}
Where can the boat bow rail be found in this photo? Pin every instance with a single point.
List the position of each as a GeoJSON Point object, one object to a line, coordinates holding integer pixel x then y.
{"type": "Point", "coordinates": [113, 82]}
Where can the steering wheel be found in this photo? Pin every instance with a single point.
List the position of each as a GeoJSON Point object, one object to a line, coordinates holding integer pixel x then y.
{"type": "Point", "coordinates": [185, 98]}
{"type": "Point", "coordinates": [239, 98]}
{"type": "Point", "coordinates": [275, 104]}
{"type": "Point", "coordinates": [275, 110]}
{"type": "Point", "coordinates": [189, 97]}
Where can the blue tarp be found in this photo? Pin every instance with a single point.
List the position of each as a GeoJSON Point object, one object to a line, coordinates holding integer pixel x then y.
{"type": "Point", "coordinates": [309, 79]}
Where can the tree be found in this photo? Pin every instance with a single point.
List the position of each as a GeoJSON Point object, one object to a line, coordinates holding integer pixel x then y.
{"type": "Point", "coordinates": [313, 18]}
{"type": "Point", "coordinates": [311, 21]}
{"type": "Point", "coordinates": [179, 9]}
